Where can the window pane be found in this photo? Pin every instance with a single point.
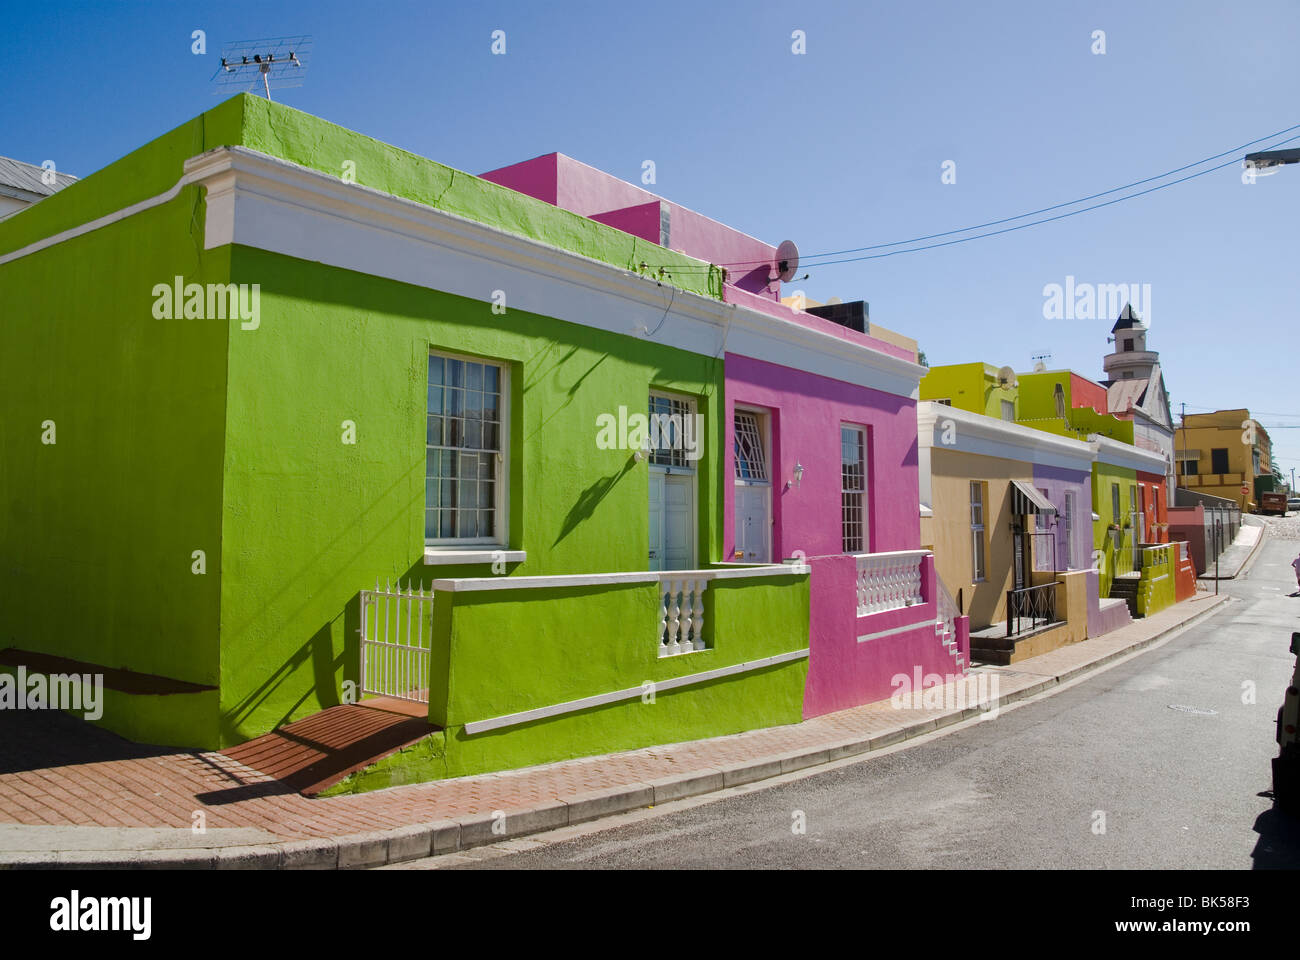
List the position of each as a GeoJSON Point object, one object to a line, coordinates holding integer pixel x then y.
{"type": "Point", "coordinates": [463, 417]}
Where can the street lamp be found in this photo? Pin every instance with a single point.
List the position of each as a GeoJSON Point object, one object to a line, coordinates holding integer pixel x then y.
{"type": "Point", "coordinates": [1263, 160]}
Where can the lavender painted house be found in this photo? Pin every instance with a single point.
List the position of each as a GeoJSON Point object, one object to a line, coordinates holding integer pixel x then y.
{"type": "Point", "coordinates": [1065, 540]}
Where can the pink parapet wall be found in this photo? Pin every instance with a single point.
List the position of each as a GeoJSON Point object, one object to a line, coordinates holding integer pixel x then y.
{"type": "Point", "coordinates": [589, 192]}
{"type": "Point", "coordinates": [854, 660]}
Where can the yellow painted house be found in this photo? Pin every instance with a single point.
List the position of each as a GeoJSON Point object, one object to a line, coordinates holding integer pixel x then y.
{"type": "Point", "coordinates": [1219, 452]}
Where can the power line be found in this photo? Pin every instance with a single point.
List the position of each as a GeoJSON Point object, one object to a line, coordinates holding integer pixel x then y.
{"type": "Point", "coordinates": [1031, 213]}
{"type": "Point", "coordinates": [1034, 223]}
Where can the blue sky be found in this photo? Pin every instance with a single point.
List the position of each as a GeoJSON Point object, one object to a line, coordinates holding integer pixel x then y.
{"type": "Point", "coordinates": [840, 147]}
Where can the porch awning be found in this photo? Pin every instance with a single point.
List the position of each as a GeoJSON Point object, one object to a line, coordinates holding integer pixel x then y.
{"type": "Point", "coordinates": [1025, 499]}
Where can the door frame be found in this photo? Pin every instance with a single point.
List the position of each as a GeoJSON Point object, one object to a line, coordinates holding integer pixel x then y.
{"type": "Point", "coordinates": [693, 404]}
{"type": "Point", "coordinates": [764, 417]}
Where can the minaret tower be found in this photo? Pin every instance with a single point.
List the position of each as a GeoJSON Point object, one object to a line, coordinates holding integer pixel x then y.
{"type": "Point", "coordinates": [1131, 359]}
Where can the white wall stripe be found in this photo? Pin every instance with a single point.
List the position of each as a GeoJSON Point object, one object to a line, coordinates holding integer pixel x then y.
{"type": "Point", "coordinates": [616, 696]}
{"type": "Point", "coordinates": [927, 624]}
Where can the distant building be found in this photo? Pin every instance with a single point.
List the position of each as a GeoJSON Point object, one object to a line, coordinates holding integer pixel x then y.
{"type": "Point", "coordinates": [1218, 453]}
{"type": "Point", "coordinates": [22, 184]}
{"type": "Point", "coordinates": [1136, 391]}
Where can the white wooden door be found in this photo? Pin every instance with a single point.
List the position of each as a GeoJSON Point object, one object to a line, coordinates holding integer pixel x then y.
{"type": "Point", "coordinates": [754, 523]}
{"type": "Point", "coordinates": [672, 521]}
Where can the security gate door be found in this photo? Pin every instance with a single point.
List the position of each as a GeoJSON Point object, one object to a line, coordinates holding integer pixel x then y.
{"type": "Point", "coordinates": [754, 524]}
{"type": "Point", "coordinates": [753, 489]}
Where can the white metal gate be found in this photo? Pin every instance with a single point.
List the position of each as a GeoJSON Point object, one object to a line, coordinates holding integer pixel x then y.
{"type": "Point", "coordinates": [396, 638]}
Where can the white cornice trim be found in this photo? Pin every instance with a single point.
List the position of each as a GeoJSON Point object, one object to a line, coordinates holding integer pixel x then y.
{"type": "Point", "coordinates": [265, 202]}
{"type": "Point", "coordinates": [1118, 454]}
{"type": "Point", "coordinates": [991, 437]}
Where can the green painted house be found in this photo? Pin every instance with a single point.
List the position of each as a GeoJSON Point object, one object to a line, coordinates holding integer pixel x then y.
{"type": "Point", "coordinates": [293, 417]}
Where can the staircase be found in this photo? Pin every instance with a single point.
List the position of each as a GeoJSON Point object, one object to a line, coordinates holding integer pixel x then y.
{"type": "Point", "coordinates": [1126, 589]}
{"type": "Point", "coordinates": [945, 627]}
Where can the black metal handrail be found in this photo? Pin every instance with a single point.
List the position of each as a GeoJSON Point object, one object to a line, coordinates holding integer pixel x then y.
{"type": "Point", "coordinates": [1032, 604]}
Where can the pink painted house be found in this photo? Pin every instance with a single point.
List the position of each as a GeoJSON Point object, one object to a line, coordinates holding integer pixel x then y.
{"type": "Point", "coordinates": [820, 457]}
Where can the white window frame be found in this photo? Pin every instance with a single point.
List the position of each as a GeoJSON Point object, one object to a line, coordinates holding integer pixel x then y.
{"type": "Point", "coordinates": [692, 408]}
{"type": "Point", "coordinates": [978, 559]}
{"type": "Point", "coordinates": [865, 492]}
{"type": "Point", "coordinates": [1067, 523]}
{"type": "Point", "coordinates": [501, 501]}
{"type": "Point", "coordinates": [764, 418]}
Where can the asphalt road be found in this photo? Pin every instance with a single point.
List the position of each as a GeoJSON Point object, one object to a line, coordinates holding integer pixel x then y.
{"type": "Point", "coordinates": [1156, 763]}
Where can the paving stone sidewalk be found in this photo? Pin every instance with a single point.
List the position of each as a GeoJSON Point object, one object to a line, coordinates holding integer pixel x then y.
{"type": "Point", "coordinates": [1250, 535]}
{"type": "Point", "coordinates": [98, 801]}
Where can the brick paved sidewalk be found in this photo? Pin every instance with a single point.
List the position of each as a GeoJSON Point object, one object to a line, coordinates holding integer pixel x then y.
{"type": "Point", "coordinates": [104, 801]}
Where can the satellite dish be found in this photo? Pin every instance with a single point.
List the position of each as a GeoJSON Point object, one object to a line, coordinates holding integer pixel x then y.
{"type": "Point", "coordinates": [832, 301]}
{"type": "Point", "coordinates": [787, 261]}
{"type": "Point", "coordinates": [1008, 376]}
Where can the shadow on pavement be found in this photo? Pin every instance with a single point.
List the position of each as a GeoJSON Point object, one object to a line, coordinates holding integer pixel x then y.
{"type": "Point", "coordinates": [39, 739]}
{"type": "Point", "coordinates": [1278, 846]}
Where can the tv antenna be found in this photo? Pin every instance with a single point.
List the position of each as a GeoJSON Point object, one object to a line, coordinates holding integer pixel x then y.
{"type": "Point", "coordinates": [277, 62]}
{"type": "Point", "coordinates": [1040, 361]}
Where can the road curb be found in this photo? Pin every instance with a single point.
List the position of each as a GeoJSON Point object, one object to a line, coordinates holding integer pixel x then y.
{"type": "Point", "coordinates": [417, 841]}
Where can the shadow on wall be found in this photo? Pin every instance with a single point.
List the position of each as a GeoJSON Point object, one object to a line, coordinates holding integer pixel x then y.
{"type": "Point", "coordinates": [590, 499]}
{"type": "Point", "coordinates": [325, 667]}
{"type": "Point", "coordinates": [318, 650]}
{"type": "Point", "coordinates": [570, 391]}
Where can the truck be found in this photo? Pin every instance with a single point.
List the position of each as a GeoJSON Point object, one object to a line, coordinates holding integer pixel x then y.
{"type": "Point", "coordinates": [1273, 503]}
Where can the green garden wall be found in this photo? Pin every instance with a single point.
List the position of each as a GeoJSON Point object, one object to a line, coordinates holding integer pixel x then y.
{"type": "Point", "coordinates": [516, 650]}
{"type": "Point", "coordinates": [1157, 588]}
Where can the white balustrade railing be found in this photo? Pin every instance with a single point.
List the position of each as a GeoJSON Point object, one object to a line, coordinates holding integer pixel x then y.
{"type": "Point", "coordinates": [888, 581]}
{"type": "Point", "coordinates": [681, 622]}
